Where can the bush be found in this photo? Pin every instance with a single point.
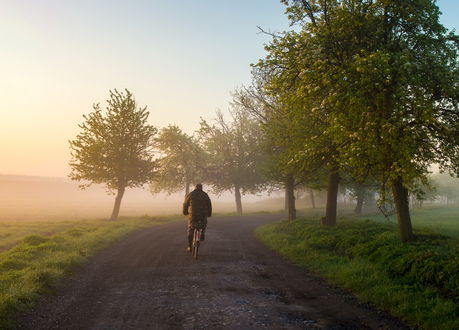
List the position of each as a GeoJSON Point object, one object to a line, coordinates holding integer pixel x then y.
{"type": "Point", "coordinates": [35, 240]}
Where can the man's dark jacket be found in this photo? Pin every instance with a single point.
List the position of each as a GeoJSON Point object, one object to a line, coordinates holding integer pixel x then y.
{"type": "Point", "coordinates": [197, 205]}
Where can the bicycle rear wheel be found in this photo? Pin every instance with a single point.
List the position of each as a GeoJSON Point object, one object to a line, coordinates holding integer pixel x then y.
{"type": "Point", "coordinates": [196, 239]}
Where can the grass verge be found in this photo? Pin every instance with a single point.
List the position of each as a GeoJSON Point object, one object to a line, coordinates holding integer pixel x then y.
{"type": "Point", "coordinates": [34, 266]}
{"type": "Point", "coordinates": [13, 232]}
{"type": "Point", "coordinates": [416, 282]}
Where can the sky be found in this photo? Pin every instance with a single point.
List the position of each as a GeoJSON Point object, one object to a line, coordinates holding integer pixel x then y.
{"type": "Point", "coordinates": [180, 58]}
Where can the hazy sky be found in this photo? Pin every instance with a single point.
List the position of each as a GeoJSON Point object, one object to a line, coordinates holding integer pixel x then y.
{"type": "Point", "coordinates": [181, 58]}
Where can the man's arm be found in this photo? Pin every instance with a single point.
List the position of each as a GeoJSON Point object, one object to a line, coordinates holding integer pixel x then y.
{"type": "Point", "coordinates": [186, 204]}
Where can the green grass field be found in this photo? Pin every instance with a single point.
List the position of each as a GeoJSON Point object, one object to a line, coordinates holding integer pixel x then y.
{"type": "Point", "coordinates": [36, 254]}
{"type": "Point", "coordinates": [441, 220]}
{"type": "Point", "coordinates": [417, 282]}
{"type": "Point", "coordinates": [12, 233]}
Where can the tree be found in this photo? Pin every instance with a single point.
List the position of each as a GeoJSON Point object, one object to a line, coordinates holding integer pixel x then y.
{"type": "Point", "coordinates": [362, 190]}
{"type": "Point", "coordinates": [268, 112]}
{"type": "Point", "coordinates": [278, 174]}
{"type": "Point", "coordinates": [383, 76]}
{"type": "Point", "coordinates": [234, 154]}
{"type": "Point", "coordinates": [181, 161]}
{"type": "Point", "coordinates": [401, 93]}
{"type": "Point", "coordinates": [114, 148]}
{"type": "Point", "coordinates": [292, 74]}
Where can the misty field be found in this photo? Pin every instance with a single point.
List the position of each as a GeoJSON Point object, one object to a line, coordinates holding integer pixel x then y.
{"type": "Point", "coordinates": [36, 254]}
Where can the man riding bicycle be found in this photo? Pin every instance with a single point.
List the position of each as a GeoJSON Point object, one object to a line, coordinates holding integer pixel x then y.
{"type": "Point", "coordinates": [198, 207]}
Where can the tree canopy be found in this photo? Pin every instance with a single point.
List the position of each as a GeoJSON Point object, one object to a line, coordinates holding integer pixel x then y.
{"type": "Point", "coordinates": [234, 154]}
{"type": "Point", "coordinates": [374, 85]}
{"type": "Point", "coordinates": [181, 161]}
{"type": "Point", "coordinates": [114, 148]}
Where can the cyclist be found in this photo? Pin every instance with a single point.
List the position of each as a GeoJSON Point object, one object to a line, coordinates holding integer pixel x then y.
{"type": "Point", "coordinates": [198, 207]}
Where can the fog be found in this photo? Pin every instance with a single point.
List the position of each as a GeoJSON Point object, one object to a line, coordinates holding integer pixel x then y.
{"type": "Point", "coordinates": [59, 198]}
{"type": "Point", "coordinates": [56, 198]}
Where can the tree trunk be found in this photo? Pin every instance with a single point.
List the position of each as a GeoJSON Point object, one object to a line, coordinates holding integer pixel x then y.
{"type": "Point", "coordinates": [237, 194]}
{"type": "Point", "coordinates": [187, 188]}
{"type": "Point", "coordinates": [360, 198]}
{"type": "Point", "coordinates": [332, 198]}
{"type": "Point", "coordinates": [403, 211]}
{"type": "Point", "coordinates": [359, 206]}
{"type": "Point", "coordinates": [286, 200]}
{"type": "Point", "coordinates": [116, 207]}
{"type": "Point", "coordinates": [313, 202]}
{"type": "Point", "coordinates": [290, 194]}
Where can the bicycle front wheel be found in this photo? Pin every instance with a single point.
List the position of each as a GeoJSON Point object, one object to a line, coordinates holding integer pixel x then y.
{"type": "Point", "coordinates": [196, 239]}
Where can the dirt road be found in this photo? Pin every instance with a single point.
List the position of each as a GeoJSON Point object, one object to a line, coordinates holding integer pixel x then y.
{"type": "Point", "coordinates": [149, 281]}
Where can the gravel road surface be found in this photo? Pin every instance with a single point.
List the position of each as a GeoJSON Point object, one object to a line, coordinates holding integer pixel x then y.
{"type": "Point", "coordinates": [149, 281]}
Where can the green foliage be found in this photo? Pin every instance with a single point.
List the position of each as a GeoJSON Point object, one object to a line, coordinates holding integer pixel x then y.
{"type": "Point", "coordinates": [115, 148]}
{"type": "Point", "coordinates": [369, 259]}
{"type": "Point", "coordinates": [371, 87]}
{"type": "Point", "coordinates": [34, 266]}
{"type": "Point", "coordinates": [384, 77]}
{"type": "Point", "coordinates": [280, 136]}
{"type": "Point", "coordinates": [234, 152]}
{"type": "Point", "coordinates": [35, 240]}
{"type": "Point", "coordinates": [181, 161]}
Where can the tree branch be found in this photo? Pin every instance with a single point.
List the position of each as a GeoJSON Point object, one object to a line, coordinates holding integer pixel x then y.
{"type": "Point", "coordinates": [268, 33]}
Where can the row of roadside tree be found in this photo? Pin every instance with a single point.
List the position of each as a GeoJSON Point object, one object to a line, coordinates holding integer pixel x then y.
{"type": "Point", "coordinates": [360, 93]}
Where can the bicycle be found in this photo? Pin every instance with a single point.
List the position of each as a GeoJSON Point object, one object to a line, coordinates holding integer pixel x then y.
{"type": "Point", "coordinates": [196, 241]}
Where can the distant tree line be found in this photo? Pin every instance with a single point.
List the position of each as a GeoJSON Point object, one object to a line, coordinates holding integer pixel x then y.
{"type": "Point", "coordinates": [120, 149]}
{"type": "Point", "coordinates": [441, 188]}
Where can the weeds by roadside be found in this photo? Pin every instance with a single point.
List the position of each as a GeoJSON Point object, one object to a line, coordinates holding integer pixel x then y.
{"type": "Point", "coordinates": [418, 282]}
{"type": "Point", "coordinates": [34, 266]}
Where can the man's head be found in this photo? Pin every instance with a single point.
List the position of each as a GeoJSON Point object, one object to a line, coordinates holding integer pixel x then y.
{"type": "Point", "coordinates": [199, 186]}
